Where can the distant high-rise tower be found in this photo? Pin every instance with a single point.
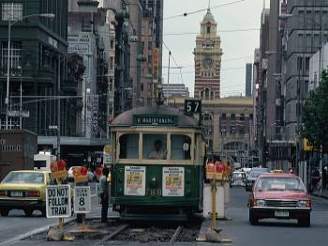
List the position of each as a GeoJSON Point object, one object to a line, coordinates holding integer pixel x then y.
{"type": "Point", "coordinates": [248, 79]}
{"type": "Point", "coordinates": [208, 55]}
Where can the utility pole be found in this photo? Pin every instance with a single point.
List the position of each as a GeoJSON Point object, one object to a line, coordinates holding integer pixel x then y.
{"type": "Point", "coordinates": [169, 68]}
{"type": "Point", "coordinates": [8, 65]}
{"type": "Point", "coordinates": [58, 110]}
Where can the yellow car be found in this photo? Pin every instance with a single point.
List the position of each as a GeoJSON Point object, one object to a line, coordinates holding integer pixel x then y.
{"type": "Point", "coordinates": [24, 190]}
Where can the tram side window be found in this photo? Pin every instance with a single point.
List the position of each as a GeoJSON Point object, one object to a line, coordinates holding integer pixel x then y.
{"type": "Point", "coordinates": [154, 146]}
{"type": "Point", "coordinates": [180, 147]}
{"type": "Point", "coordinates": [129, 146]}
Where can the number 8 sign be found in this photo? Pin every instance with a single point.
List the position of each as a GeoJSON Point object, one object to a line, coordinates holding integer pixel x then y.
{"type": "Point", "coordinates": [82, 199]}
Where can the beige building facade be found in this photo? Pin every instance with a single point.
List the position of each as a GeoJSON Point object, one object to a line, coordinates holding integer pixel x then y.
{"type": "Point", "coordinates": [227, 124]}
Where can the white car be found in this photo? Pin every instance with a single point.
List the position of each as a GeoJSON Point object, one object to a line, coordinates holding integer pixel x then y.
{"type": "Point", "coordinates": [238, 178]}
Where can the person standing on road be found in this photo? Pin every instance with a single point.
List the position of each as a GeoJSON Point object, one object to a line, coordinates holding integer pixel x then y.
{"type": "Point", "coordinates": [104, 194]}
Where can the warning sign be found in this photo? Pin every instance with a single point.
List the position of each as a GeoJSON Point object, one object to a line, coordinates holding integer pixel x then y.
{"type": "Point", "coordinates": [135, 181]}
{"type": "Point", "coordinates": [58, 201]}
{"type": "Point", "coordinates": [173, 181]}
{"type": "Point", "coordinates": [82, 199]}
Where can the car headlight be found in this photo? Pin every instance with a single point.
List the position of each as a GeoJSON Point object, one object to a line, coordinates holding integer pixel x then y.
{"type": "Point", "coordinates": [303, 204]}
{"type": "Point", "coordinates": [260, 203]}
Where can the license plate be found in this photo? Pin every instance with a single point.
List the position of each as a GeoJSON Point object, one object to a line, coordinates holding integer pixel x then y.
{"type": "Point", "coordinates": [16, 194]}
{"type": "Point", "coordinates": [281, 213]}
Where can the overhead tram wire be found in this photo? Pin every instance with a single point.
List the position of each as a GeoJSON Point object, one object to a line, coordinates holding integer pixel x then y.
{"type": "Point", "coordinates": [174, 60]}
{"type": "Point", "coordinates": [220, 31]}
{"type": "Point", "coordinates": [202, 10]}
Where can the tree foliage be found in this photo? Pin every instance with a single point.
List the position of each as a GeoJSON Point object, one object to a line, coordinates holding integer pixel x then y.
{"type": "Point", "coordinates": [76, 67]}
{"type": "Point", "coordinates": [315, 114]}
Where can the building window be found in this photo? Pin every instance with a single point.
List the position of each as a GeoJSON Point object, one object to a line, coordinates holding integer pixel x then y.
{"type": "Point", "coordinates": [233, 116]}
{"type": "Point", "coordinates": [111, 63]}
{"type": "Point", "coordinates": [12, 11]}
{"type": "Point", "coordinates": [242, 117]}
{"type": "Point", "coordinates": [223, 116]}
{"type": "Point", "coordinates": [16, 55]}
{"type": "Point", "coordinates": [86, 24]}
{"type": "Point", "coordinates": [208, 30]}
{"type": "Point", "coordinates": [112, 44]}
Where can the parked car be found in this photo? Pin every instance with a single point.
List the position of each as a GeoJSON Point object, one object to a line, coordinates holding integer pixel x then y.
{"type": "Point", "coordinates": [253, 175]}
{"type": "Point", "coordinates": [237, 178]}
{"type": "Point", "coordinates": [24, 190]}
{"type": "Point", "coordinates": [280, 196]}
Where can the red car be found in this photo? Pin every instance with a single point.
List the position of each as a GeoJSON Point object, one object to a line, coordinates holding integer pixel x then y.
{"type": "Point", "coordinates": [280, 196]}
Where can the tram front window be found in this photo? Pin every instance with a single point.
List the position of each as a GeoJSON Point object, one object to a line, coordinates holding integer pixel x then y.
{"type": "Point", "coordinates": [180, 147]}
{"type": "Point", "coordinates": [129, 146]}
{"type": "Point", "coordinates": [154, 146]}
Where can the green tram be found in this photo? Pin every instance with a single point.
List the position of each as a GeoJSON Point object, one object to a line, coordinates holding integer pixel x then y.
{"type": "Point", "coordinates": [158, 164]}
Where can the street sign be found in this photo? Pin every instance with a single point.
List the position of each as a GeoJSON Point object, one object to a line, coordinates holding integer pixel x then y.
{"type": "Point", "coordinates": [53, 127]}
{"type": "Point", "coordinates": [80, 174]}
{"type": "Point", "coordinates": [58, 170]}
{"type": "Point", "coordinates": [108, 159]}
{"type": "Point", "coordinates": [108, 154]}
{"type": "Point", "coordinates": [17, 113]}
{"type": "Point", "coordinates": [193, 106]}
{"type": "Point", "coordinates": [82, 199]}
{"type": "Point", "coordinates": [58, 199]}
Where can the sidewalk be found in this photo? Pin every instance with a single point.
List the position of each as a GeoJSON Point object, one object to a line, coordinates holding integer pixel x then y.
{"type": "Point", "coordinates": [323, 194]}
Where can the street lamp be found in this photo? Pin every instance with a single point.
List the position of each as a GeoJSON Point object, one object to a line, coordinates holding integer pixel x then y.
{"type": "Point", "coordinates": [10, 24]}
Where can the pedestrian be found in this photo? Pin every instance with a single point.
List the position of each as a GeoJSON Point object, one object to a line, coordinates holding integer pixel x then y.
{"type": "Point", "coordinates": [315, 178]}
{"type": "Point", "coordinates": [104, 194]}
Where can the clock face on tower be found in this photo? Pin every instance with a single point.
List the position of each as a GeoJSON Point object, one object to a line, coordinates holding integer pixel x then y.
{"type": "Point", "coordinates": [208, 62]}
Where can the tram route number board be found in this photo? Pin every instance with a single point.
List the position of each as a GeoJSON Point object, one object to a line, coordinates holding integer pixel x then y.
{"type": "Point", "coordinates": [58, 199]}
{"type": "Point", "coordinates": [82, 199]}
{"type": "Point", "coordinates": [193, 107]}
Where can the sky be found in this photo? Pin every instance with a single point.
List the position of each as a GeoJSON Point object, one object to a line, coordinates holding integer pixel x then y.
{"type": "Point", "coordinates": [238, 46]}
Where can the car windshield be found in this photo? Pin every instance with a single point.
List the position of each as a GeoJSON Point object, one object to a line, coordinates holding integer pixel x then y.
{"type": "Point", "coordinates": [255, 174]}
{"type": "Point", "coordinates": [280, 184]}
{"type": "Point", "coordinates": [24, 178]}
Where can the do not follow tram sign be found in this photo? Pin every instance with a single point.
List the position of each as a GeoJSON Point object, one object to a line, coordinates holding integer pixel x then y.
{"type": "Point", "coordinates": [58, 201]}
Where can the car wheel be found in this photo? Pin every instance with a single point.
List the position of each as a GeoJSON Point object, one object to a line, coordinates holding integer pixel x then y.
{"type": "Point", "coordinates": [28, 212]}
{"type": "Point", "coordinates": [4, 212]}
{"type": "Point", "coordinates": [253, 220]}
{"type": "Point", "coordinates": [306, 221]}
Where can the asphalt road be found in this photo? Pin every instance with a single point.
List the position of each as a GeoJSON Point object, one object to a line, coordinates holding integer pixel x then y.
{"type": "Point", "coordinates": [270, 232]}
{"type": "Point", "coordinates": [274, 232]}
{"type": "Point", "coordinates": [17, 223]}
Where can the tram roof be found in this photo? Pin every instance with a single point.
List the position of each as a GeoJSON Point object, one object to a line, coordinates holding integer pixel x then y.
{"type": "Point", "coordinates": [128, 118]}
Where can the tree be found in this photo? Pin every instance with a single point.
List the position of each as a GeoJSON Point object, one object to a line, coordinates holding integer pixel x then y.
{"type": "Point", "coordinates": [315, 114]}
{"type": "Point", "coordinates": [76, 67]}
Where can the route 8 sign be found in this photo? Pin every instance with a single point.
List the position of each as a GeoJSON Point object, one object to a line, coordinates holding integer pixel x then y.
{"type": "Point", "coordinates": [82, 199]}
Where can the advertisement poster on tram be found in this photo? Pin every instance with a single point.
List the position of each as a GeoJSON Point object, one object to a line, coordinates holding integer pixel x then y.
{"type": "Point", "coordinates": [135, 181]}
{"type": "Point", "coordinates": [173, 181]}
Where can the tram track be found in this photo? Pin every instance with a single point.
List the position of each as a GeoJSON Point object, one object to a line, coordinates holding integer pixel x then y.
{"type": "Point", "coordinates": [176, 234]}
{"type": "Point", "coordinates": [113, 234]}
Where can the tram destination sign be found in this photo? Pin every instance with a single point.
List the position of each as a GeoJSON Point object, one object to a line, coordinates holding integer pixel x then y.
{"type": "Point", "coordinates": [155, 119]}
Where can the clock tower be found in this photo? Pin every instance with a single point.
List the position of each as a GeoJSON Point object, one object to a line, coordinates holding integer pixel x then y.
{"type": "Point", "coordinates": [208, 55]}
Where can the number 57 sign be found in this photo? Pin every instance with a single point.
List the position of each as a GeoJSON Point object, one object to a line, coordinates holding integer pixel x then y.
{"type": "Point", "coordinates": [193, 107]}
{"type": "Point", "coordinates": [82, 199]}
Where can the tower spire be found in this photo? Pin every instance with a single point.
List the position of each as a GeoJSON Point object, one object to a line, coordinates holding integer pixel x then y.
{"type": "Point", "coordinates": [209, 4]}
